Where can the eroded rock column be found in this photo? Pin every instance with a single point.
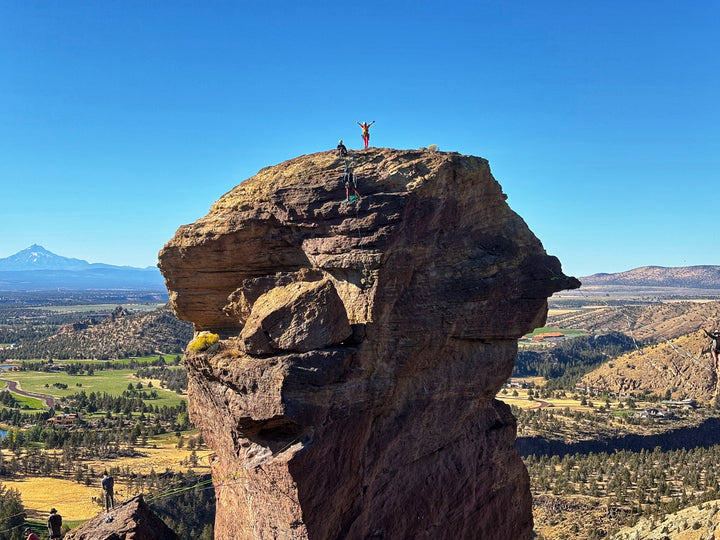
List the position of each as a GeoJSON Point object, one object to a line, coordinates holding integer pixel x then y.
{"type": "Point", "coordinates": [351, 392]}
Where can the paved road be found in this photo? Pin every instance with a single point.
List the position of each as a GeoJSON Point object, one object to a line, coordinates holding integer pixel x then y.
{"type": "Point", "coordinates": [13, 387]}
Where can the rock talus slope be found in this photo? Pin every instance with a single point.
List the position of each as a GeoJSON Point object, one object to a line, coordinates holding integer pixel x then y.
{"type": "Point", "coordinates": [351, 393]}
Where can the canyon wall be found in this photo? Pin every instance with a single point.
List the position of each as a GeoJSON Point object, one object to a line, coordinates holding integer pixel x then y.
{"type": "Point", "coordinates": [348, 353]}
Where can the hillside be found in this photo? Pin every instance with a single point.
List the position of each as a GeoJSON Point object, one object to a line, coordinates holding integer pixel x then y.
{"type": "Point", "coordinates": [120, 335]}
{"type": "Point", "coordinates": [693, 523]}
{"type": "Point", "coordinates": [698, 277]}
{"type": "Point", "coordinates": [682, 366]}
{"type": "Point", "coordinates": [653, 322]}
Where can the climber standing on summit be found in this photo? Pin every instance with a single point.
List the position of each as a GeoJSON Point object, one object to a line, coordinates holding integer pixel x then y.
{"type": "Point", "coordinates": [714, 347]}
{"type": "Point", "coordinates": [365, 131]}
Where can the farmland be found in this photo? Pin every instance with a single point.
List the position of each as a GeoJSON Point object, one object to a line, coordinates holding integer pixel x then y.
{"type": "Point", "coordinates": [68, 418]}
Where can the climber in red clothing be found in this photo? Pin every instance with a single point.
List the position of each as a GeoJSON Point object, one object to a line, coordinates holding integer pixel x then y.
{"type": "Point", "coordinates": [365, 131]}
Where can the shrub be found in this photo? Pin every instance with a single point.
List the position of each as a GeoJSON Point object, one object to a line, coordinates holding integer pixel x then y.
{"type": "Point", "coordinates": [203, 341]}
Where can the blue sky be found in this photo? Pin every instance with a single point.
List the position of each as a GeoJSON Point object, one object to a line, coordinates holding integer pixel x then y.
{"type": "Point", "coordinates": [120, 121]}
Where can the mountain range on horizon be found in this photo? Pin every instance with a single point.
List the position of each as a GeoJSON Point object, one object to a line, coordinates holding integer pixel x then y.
{"type": "Point", "coordinates": [697, 277]}
{"type": "Point", "coordinates": [36, 257]}
{"type": "Point", "coordinates": [36, 268]}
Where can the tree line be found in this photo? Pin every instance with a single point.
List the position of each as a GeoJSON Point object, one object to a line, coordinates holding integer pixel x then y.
{"type": "Point", "coordinates": [566, 362]}
{"type": "Point", "coordinates": [645, 483]}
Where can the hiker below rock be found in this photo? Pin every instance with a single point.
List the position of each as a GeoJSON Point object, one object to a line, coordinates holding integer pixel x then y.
{"type": "Point", "coordinates": [365, 131]}
{"type": "Point", "coordinates": [714, 347]}
{"type": "Point", "coordinates": [31, 535]}
{"type": "Point", "coordinates": [342, 151]}
{"type": "Point", "coordinates": [108, 485]}
{"type": "Point", "coordinates": [54, 524]}
{"type": "Point", "coordinates": [349, 180]}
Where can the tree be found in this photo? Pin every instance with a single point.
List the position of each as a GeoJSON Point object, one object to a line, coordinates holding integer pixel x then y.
{"type": "Point", "coordinates": [12, 511]}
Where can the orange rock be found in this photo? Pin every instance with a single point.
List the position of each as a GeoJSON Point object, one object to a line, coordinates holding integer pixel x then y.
{"type": "Point", "coordinates": [392, 431]}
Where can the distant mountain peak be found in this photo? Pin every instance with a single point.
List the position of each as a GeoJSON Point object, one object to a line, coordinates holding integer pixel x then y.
{"type": "Point", "coordinates": [36, 257]}
{"type": "Point", "coordinates": [36, 268]}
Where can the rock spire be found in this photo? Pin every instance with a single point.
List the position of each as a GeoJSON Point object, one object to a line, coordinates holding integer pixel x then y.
{"type": "Point", "coordinates": [351, 391]}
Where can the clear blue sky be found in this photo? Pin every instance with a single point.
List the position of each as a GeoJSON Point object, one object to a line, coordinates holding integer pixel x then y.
{"type": "Point", "coordinates": [120, 121]}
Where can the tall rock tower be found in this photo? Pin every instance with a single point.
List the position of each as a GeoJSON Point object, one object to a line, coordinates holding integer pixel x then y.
{"type": "Point", "coordinates": [347, 354]}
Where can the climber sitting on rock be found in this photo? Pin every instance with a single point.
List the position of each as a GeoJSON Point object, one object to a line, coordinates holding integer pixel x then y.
{"type": "Point", "coordinates": [342, 151]}
{"type": "Point", "coordinates": [349, 180]}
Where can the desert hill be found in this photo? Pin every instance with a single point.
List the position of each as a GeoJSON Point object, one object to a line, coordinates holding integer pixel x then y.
{"type": "Point", "coordinates": [120, 335]}
{"type": "Point", "coordinates": [681, 365]}
{"type": "Point", "coordinates": [698, 277]}
{"type": "Point", "coordinates": [692, 523]}
{"type": "Point", "coordinates": [644, 322]}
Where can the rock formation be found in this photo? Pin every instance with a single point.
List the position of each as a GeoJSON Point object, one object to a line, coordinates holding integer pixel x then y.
{"type": "Point", "coordinates": [351, 392]}
{"type": "Point", "coordinates": [131, 520]}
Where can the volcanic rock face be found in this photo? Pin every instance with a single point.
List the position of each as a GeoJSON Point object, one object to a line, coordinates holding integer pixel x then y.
{"type": "Point", "coordinates": [351, 394]}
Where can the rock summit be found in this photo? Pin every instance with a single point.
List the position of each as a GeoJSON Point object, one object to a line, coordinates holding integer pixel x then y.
{"type": "Point", "coordinates": [351, 390]}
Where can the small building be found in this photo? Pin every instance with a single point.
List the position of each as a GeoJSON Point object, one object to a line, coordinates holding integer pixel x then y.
{"type": "Point", "coordinates": [64, 419]}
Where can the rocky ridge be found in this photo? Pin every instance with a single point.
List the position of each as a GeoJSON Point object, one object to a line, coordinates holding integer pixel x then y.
{"type": "Point", "coordinates": [351, 392]}
{"type": "Point", "coordinates": [697, 277]}
{"type": "Point", "coordinates": [119, 335]}
{"type": "Point", "coordinates": [129, 520]}
{"type": "Point", "coordinates": [647, 323]}
{"type": "Point", "coordinates": [682, 365]}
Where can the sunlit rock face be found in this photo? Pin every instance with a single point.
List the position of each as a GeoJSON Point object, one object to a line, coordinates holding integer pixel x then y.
{"type": "Point", "coordinates": [351, 393]}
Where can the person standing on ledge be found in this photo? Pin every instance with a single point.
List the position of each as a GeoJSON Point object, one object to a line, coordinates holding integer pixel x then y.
{"type": "Point", "coordinates": [714, 346]}
{"type": "Point", "coordinates": [54, 524]}
{"type": "Point", "coordinates": [350, 181]}
{"type": "Point", "coordinates": [108, 486]}
{"type": "Point", "coordinates": [365, 131]}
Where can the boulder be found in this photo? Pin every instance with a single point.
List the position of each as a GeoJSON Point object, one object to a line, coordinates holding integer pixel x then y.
{"type": "Point", "coordinates": [130, 520]}
{"type": "Point", "coordinates": [298, 317]}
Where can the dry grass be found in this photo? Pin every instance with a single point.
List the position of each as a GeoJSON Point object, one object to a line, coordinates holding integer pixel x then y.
{"type": "Point", "coordinates": [75, 501]}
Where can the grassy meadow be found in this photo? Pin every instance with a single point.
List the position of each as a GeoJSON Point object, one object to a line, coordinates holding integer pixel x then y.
{"type": "Point", "coordinates": [113, 382]}
{"type": "Point", "coordinates": [74, 500]}
{"type": "Point", "coordinates": [77, 500]}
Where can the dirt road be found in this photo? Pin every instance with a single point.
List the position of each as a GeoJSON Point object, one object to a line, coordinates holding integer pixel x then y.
{"type": "Point", "coordinates": [15, 389]}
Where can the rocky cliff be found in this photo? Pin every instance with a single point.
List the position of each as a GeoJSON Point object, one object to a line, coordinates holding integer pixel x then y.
{"type": "Point", "coordinates": [351, 391]}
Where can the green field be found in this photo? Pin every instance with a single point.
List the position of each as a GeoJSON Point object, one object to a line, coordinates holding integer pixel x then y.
{"type": "Point", "coordinates": [30, 402]}
{"type": "Point", "coordinates": [114, 382]}
{"type": "Point", "coordinates": [546, 329]}
{"type": "Point", "coordinates": [169, 359]}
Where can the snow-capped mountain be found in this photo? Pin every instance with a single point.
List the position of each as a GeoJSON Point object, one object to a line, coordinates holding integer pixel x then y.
{"type": "Point", "coordinates": [37, 268]}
